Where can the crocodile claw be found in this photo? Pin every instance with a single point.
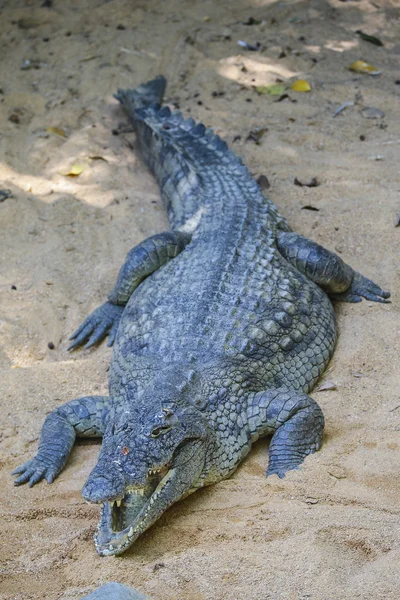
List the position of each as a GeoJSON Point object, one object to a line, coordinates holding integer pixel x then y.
{"type": "Point", "coordinates": [34, 471]}
{"type": "Point", "coordinates": [103, 321]}
{"type": "Point", "coordinates": [360, 288]}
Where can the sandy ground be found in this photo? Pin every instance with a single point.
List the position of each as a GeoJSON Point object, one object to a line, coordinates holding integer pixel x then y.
{"type": "Point", "coordinates": [329, 531]}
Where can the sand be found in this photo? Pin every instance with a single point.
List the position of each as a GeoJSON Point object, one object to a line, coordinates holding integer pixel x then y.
{"type": "Point", "coordinates": [328, 531]}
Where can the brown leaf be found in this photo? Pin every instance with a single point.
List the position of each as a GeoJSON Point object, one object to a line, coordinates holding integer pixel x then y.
{"type": "Point", "coordinates": [327, 386]}
{"type": "Point", "coordinates": [313, 182]}
{"type": "Point", "coordinates": [256, 135]}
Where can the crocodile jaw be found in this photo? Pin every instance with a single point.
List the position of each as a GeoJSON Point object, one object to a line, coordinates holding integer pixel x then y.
{"type": "Point", "coordinates": [140, 507]}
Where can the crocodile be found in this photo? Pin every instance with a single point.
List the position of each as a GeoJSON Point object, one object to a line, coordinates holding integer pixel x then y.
{"type": "Point", "coordinates": [220, 329]}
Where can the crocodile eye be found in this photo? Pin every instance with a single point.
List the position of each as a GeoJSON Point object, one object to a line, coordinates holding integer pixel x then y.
{"type": "Point", "coordinates": [157, 431]}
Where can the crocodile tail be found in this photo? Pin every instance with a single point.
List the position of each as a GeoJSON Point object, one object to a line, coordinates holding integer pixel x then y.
{"type": "Point", "coordinates": [177, 149]}
{"type": "Point", "coordinates": [147, 94]}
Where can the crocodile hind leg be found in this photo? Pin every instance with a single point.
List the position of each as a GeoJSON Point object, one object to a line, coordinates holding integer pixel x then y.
{"type": "Point", "coordinates": [328, 270]}
{"type": "Point", "coordinates": [297, 424]}
{"type": "Point", "coordinates": [83, 417]}
{"type": "Point", "coordinates": [141, 261]}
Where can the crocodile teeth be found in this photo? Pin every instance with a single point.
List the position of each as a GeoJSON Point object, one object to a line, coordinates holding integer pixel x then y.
{"type": "Point", "coordinates": [154, 471]}
{"type": "Point", "coordinates": [132, 490]}
{"type": "Point", "coordinates": [117, 502]}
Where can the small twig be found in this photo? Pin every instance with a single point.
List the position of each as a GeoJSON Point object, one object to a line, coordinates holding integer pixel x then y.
{"type": "Point", "coordinates": [389, 142]}
{"type": "Point", "coordinates": [142, 53]}
{"type": "Point", "coordinates": [341, 108]}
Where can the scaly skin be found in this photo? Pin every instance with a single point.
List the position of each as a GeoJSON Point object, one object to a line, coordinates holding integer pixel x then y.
{"type": "Point", "coordinates": [220, 329]}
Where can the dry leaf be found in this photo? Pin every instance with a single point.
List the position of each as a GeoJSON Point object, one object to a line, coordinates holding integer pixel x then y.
{"type": "Point", "coordinates": [89, 57]}
{"type": "Point", "coordinates": [301, 85]}
{"type": "Point", "coordinates": [277, 89]}
{"type": "Point", "coordinates": [369, 38]}
{"type": "Point", "coordinates": [360, 66]}
{"type": "Point", "coordinates": [312, 183]}
{"type": "Point", "coordinates": [98, 157]}
{"type": "Point", "coordinates": [4, 194]}
{"type": "Point", "coordinates": [326, 386]}
{"type": "Point", "coordinates": [75, 170]}
{"type": "Point", "coordinates": [57, 131]}
{"type": "Point", "coordinates": [253, 47]}
{"type": "Point", "coordinates": [262, 89]}
{"type": "Point", "coordinates": [257, 134]}
{"type": "Point", "coordinates": [358, 374]}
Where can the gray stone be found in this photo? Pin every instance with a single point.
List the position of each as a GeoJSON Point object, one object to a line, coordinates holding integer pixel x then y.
{"type": "Point", "coordinates": [370, 112]}
{"type": "Point", "coordinates": [115, 591]}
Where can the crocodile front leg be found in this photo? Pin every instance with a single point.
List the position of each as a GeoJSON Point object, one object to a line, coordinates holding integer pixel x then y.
{"type": "Point", "coordinates": [83, 417]}
{"type": "Point", "coordinates": [297, 424]}
{"type": "Point", "coordinates": [143, 260]}
{"type": "Point", "coordinates": [328, 270]}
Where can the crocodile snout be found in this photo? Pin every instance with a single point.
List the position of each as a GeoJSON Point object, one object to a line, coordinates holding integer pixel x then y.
{"type": "Point", "coordinates": [103, 487]}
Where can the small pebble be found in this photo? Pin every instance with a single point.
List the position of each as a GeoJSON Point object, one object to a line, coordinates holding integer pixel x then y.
{"type": "Point", "coordinates": [337, 472]}
{"type": "Point", "coordinates": [14, 118]}
{"type": "Point", "coordinates": [51, 346]}
{"type": "Point", "coordinates": [263, 182]}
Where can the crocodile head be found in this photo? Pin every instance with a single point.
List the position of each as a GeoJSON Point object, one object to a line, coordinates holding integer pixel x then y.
{"type": "Point", "coordinates": [152, 455]}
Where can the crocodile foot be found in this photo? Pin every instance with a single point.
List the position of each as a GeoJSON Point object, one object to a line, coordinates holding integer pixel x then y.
{"type": "Point", "coordinates": [103, 321]}
{"type": "Point", "coordinates": [34, 470]}
{"type": "Point", "coordinates": [360, 288]}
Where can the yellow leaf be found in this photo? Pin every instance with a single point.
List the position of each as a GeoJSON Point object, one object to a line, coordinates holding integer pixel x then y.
{"type": "Point", "coordinates": [360, 66]}
{"type": "Point", "coordinates": [301, 85]}
{"type": "Point", "coordinates": [277, 89]}
{"type": "Point", "coordinates": [56, 131]}
{"type": "Point", "coordinates": [75, 170]}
